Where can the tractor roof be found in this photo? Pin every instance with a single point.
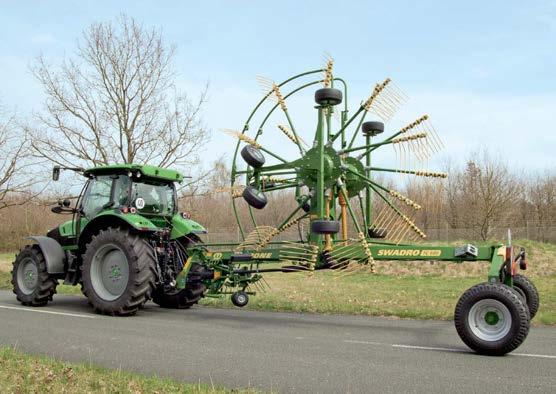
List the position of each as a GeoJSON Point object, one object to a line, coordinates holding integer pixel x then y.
{"type": "Point", "coordinates": [146, 170]}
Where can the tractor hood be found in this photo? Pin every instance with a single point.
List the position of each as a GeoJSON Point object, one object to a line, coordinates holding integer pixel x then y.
{"type": "Point", "coordinates": [182, 226]}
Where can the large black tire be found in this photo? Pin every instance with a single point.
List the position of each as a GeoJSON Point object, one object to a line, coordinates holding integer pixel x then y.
{"type": "Point", "coordinates": [32, 284]}
{"type": "Point", "coordinates": [492, 319]}
{"type": "Point", "coordinates": [528, 289]}
{"type": "Point", "coordinates": [125, 289]}
{"type": "Point", "coordinates": [182, 299]}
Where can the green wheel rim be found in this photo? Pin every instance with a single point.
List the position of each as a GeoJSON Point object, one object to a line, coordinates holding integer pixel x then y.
{"type": "Point", "coordinates": [109, 272]}
{"type": "Point", "coordinates": [27, 275]}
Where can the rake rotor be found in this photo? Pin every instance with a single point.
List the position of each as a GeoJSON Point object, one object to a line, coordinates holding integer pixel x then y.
{"type": "Point", "coordinates": [335, 188]}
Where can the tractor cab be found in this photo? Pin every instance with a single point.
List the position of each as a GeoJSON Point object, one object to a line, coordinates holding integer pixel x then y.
{"type": "Point", "coordinates": [143, 196]}
{"type": "Point", "coordinates": [129, 190]}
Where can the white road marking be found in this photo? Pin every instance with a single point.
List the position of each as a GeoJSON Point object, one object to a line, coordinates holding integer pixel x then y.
{"type": "Point", "coordinates": [533, 355]}
{"type": "Point", "coordinates": [444, 349]}
{"type": "Point", "coordinates": [18, 308]}
{"type": "Point", "coordinates": [367, 342]}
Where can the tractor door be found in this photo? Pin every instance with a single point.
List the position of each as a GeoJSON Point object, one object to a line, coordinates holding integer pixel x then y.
{"type": "Point", "coordinates": [101, 193]}
{"type": "Point", "coordinates": [96, 198]}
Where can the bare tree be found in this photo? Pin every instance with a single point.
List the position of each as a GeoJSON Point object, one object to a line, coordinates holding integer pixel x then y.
{"type": "Point", "coordinates": [481, 195]}
{"type": "Point", "coordinates": [541, 201]}
{"type": "Point", "coordinates": [15, 180]}
{"type": "Point", "coordinates": [116, 101]}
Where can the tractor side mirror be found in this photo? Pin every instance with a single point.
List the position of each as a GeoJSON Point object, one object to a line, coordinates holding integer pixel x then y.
{"type": "Point", "coordinates": [55, 173]}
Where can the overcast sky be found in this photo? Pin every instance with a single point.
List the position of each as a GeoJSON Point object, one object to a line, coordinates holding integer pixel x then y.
{"type": "Point", "coordinates": [485, 71]}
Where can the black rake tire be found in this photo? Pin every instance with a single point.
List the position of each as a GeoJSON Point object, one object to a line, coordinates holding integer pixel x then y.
{"type": "Point", "coordinates": [181, 299]}
{"type": "Point", "coordinates": [253, 156]}
{"type": "Point", "coordinates": [377, 232]}
{"type": "Point", "coordinates": [138, 274]}
{"type": "Point", "coordinates": [32, 284]}
{"type": "Point", "coordinates": [492, 319]}
{"type": "Point", "coordinates": [528, 289]}
{"type": "Point", "coordinates": [254, 197]}
{"type": "Point", "coordinates": [328, 96]}
{"type": "Point", "coordinates": [325, 226]}
{"type": "Point", "coordinates": [372, 128]}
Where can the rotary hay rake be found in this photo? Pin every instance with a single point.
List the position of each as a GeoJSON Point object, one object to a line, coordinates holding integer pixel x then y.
{"type": "Point", "coordinates": [335, 191]}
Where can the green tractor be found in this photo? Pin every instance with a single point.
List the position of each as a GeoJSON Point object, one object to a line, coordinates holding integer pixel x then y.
{"type": "Point", "coordinates": [125, 244]}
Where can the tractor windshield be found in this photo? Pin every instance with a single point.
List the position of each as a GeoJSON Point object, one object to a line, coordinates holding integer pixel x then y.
{"type": "Point", "coordinates": [153, 197]}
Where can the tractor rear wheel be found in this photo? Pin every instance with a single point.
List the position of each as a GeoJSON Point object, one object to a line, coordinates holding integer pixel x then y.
{"type": "Point", "coordinates": [32, 284]}
{"type": "Point", "coordinates": [185, 298]}
{"type": "Point", "coordinates": [492, 319]}
{"type": "Point", "coordinates": [119, 271]}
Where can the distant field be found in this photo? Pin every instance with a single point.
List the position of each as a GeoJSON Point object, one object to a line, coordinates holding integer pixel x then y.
{"type": "Point", "coordinates": [420, 290]}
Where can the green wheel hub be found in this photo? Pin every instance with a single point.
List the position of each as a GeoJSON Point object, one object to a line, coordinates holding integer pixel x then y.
{"type": "Point", "coordinates": [27, 276]}
{"type": "Point", "coordinates": [109, 272]}
{"type": "Point", "coordinates": [492, 318]}
{"type": "Point", "coordinates": [308, 169]}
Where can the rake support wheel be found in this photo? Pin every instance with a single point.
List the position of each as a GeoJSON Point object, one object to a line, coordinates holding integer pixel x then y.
{"type": "Point", "coordinates": [252, 156]}
{"type": "Point", "coordinates": [491, 319]}
{"type": "Point", "coordinates": [325, 226]}
{"type": "Point", "coordinates": [254, 197]}
{"type": "Point", "coordinates": [528, 289]}
{"type": "Point", "coordinates": [328, 96]}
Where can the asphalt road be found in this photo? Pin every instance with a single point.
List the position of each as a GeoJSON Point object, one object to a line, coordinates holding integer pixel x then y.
{"type": "Point", "coordinates": [282, 352]}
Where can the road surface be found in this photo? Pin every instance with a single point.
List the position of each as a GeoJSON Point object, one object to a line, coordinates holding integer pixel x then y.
{"type": "Point", "coordinates": [282, 352]}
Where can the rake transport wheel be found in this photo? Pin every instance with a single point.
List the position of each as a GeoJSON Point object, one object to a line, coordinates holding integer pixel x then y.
{"type": "Point", "coordinates": [185, 298]}
{"type": "Point", "coordinates": [240, 299]}
{"type": "Point", "coordinates": [528, 290]}
{"type": "Point", "coordinates": [119, 271]}
{"type": "Point", "coordinates": [32, 284]}
{"type": "Point", "coordinates": [492, 319]}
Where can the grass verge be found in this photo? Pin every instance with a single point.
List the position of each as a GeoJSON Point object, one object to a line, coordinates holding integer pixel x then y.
{"type": "Point", "coordinates": [421, 290]}
{"type": "Point", "coordinates": [21, 373]}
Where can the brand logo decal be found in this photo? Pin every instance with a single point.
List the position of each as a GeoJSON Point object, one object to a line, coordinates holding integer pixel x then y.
{"type": "Point", "coordinates": [410, 252]}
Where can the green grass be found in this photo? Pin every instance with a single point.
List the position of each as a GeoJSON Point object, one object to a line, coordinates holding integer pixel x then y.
{"type": "Point", "coordinates": [420, 290]}
{"type": "Point", "coordinates": [21, 373]}
{"type": "Point", "coordinates": [417, 297]}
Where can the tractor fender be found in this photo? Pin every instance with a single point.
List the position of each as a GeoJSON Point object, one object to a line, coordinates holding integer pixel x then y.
{"type": "Point", "coordinates": [53, 253]}
{"type": "Point", "coordinates": [182, 227]}
{"type": "Point", "coordinates": [110, 219]}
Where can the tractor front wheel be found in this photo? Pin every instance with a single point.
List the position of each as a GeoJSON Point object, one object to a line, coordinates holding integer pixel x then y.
{"type": "Point", "coordinates": [119, 271]}
{"type": "Point", "coordinates": [32, 284]}
{"type": "Point", "coordinates": [492, 319]}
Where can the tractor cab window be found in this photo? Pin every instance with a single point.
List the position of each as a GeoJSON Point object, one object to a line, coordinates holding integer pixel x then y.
{"type": "Point", "coordinates": [121, 191]}
{"type": "Point", "coordinates": [153, 198]}
{"type": "Point", "coordinates": [97, 195]}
